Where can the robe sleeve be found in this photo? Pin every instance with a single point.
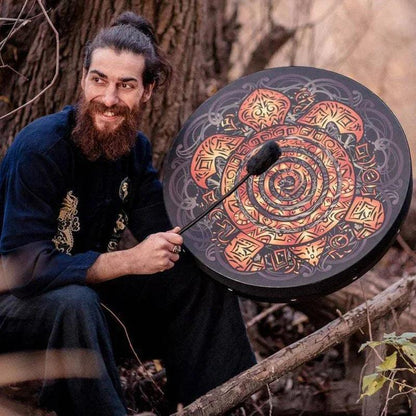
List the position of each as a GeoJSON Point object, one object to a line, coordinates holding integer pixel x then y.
{"type": "Point", "coordinates": [32, 190]}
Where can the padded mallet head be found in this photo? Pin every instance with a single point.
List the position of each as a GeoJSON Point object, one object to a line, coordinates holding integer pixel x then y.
{"type": "Point", "coordinates": [264, 158]}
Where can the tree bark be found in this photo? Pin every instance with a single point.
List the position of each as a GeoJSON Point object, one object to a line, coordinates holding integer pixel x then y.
{"type": "Point", "coordinates": [267, 47]}
{"type": "Point", "coordinates": [234, 391]}
{"type": "Point", "coordinates": [196, 36]}
{"type": "Point", "coordinates": [372, 405]}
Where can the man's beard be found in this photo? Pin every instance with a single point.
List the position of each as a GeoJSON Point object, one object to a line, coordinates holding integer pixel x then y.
{"type": "Point", "coordinates": [112, 144]}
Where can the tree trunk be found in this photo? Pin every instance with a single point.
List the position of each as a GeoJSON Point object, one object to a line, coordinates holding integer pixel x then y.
{"type": "Point", "coordinates": [195, 35]}
{"type": "Point", "coordinates": [373, 405]}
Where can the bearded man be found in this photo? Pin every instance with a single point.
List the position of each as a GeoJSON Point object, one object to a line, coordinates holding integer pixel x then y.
{"type": "Point", "coordinates": [71, 185]}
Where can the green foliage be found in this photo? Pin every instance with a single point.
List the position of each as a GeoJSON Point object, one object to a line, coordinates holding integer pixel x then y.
{"type": "Point", "coordinates": [372, 384]}
{"type": "Point", "coordinates": [392, 370]}
{"type": "Point", "coordinates": [389, 363]}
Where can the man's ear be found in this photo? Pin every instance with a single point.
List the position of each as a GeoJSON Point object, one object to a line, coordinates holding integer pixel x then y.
{"type": "Point", "coordinates": [84, 75]}
{"type": "Point", "coordinates": [148, 92]}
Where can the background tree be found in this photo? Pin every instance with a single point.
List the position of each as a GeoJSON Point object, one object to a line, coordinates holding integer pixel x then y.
{"type": "Point", "coordinates": [196, 35]}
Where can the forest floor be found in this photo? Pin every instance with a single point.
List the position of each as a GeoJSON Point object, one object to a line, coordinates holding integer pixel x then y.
{"type": "Point", "coordinates": [329, 385]}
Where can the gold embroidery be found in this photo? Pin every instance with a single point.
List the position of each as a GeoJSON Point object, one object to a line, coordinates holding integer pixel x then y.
{"type": "Point", "coordinates": [123, 190]}
{"type": "Point", "coordinates": [121, 224]}
{"type": "Point", "coordinates": [68, 223]}
{"type": "Point", "coordinates": [122, 218]}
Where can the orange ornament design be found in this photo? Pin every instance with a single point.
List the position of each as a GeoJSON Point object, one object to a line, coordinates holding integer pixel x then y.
{"type": "Point", "coordinates": [308, 203]}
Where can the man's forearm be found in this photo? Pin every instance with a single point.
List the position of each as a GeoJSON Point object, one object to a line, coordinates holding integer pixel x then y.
{"type": "Point", "coordinates": [154, 254]}
{"type": "Point", "coordinates": [109, 266]}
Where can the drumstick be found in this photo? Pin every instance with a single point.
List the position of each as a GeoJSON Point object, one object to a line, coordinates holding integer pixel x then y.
{"type": "Point", "coordinates": [256, 165]}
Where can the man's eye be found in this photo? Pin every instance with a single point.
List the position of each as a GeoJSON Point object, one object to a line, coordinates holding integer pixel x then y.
{"type": "Point", "coordinates": [124, 85]}
{"type": "Point", "coordinates": [97, 80]}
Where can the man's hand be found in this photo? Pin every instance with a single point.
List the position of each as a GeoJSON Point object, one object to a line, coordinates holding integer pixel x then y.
{"type": "Point", "coordinates": [154, 254]}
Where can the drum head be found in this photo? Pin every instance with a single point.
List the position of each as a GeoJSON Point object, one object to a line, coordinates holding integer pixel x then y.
{"type": "Point", "coordinates": [322, 215]}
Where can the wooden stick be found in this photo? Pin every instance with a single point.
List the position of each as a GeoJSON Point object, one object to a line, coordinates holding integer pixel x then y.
{"type": "Point", "coordinates": [242, 386]}
{"type": "Point", "coordinates": [215, 204]}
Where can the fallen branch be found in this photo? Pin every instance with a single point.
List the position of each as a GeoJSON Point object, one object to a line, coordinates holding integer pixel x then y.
{"type": "Point", "coordinates": [236, 390]}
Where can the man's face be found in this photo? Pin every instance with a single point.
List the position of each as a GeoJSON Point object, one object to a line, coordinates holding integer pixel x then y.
{"type": "Point", "coordinates": [114, 86]}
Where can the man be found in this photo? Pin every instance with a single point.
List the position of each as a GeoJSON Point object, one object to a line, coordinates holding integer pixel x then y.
{"type": "Point", "coordinates": [70, 185]}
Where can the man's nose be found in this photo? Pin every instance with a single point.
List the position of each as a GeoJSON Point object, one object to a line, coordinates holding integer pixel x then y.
{"type": "Point", "coordinates": [111, 96]}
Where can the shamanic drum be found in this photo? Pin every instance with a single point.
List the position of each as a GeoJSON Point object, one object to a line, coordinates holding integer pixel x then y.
{"type": "Point", "coordinates": [322, 215]}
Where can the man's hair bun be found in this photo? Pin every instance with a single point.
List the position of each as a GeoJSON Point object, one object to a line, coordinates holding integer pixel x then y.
{"type": "Point", "coordinates": [133, 33]}
{"type": "Point", "coordinates": [138, 22]}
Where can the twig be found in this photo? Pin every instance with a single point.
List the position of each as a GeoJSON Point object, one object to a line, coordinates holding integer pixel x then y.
{"type": "Point", "coordinates": [406, 247]}
{"type": "Point", "coordinates": [12, 19]}
{"type": "Point", "coordinates": [370, 331]}
{"type": "Point", "coordinates": [12, 69]}
{"type": "Point", "coordinates": [12, 30]}
{"type": "Point", "coordinates": [131, 345]}
{"type": "Point", "coordinates": [412, 390]}
{"type": "Point", "coordinates": [393, 381]}
{"type": "Point", "coordinates": [367, 358]}
{"type": "Point", "coordinates": [395, 318]}
{"type": "Point", "coordinates": [56, 63]}
{"type": "Point", "coordinates": [270, 400]}
{"type": "Point", "coordinates": [258, 409]}
{"type": "Point", "coordinates": [386, 404]}
{"type": "Point", "coordinates": [403, 357]}
{"type": "Point", "coordinates": [265, 313]}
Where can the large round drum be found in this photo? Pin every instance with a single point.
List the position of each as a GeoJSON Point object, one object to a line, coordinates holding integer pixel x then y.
{"type": "Point", "coordinates": [322, 215]}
